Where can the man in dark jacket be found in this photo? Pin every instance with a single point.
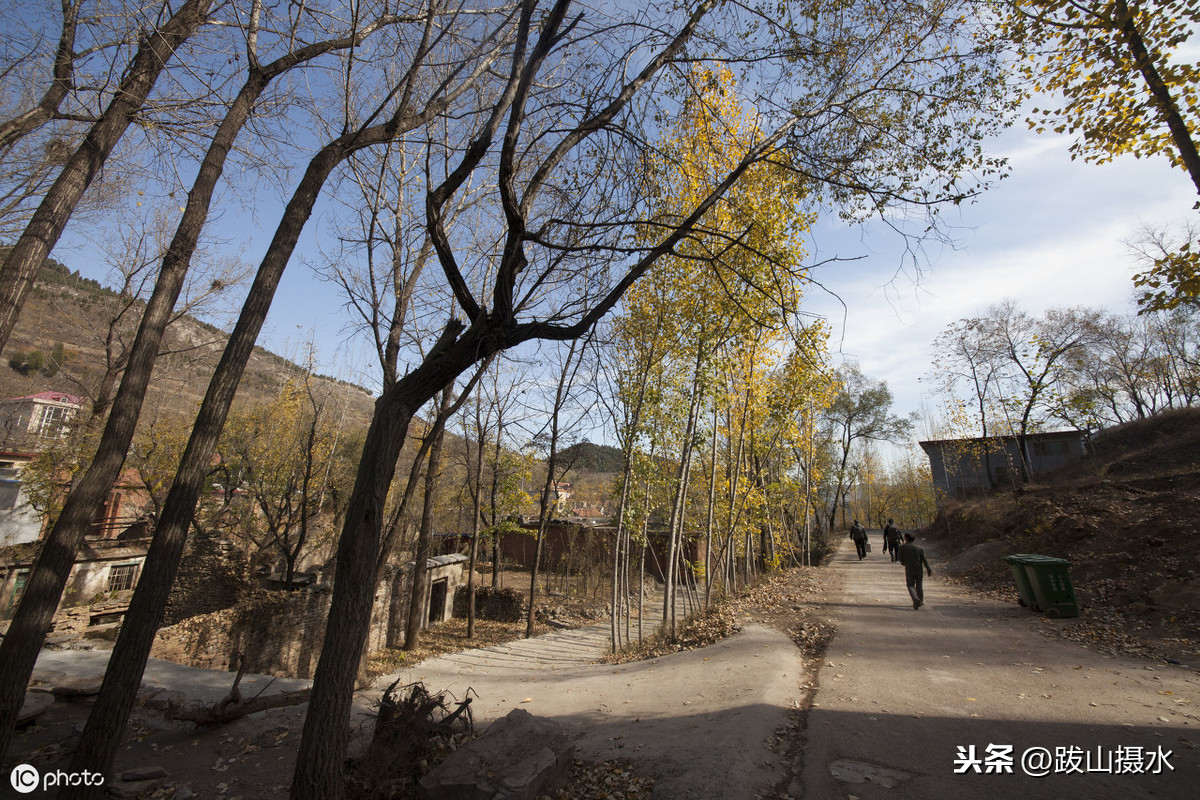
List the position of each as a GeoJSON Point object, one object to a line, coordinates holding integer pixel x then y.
{"type": "Point", "coordinates": [859, 534]}
{"type": "Point", "coordinates": [912, 556]}
{"type": "Point", "coordinates": [891, 540]}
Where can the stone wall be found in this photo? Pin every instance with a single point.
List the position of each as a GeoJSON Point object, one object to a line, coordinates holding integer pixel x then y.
{"type": "Point", "coordinates": [502, 605]}
{"type": "Point", "coordinates": [212, 577]}
{"type": "Point", "coordinates": [279, 632]}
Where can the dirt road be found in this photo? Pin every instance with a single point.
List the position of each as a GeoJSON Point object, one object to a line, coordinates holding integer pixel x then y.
{"type": "Point", "coordinates": [899, 692]}
{"type": "Point", "coordinates": [699, 722]}
{"type": "Point", "coordinates": [966, 698]}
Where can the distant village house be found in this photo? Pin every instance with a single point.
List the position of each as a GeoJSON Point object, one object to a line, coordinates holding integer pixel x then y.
{"type": "Point", "coordinates": [962, 467]}
{"type": "Point", "coordinates": [109, 564]}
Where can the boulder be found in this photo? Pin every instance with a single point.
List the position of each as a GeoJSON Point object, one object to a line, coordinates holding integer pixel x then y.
{"type": "Point", "coordinates": [517, 758]}
{"type": "Point", "coordinates": [34, 705]}
{"type": "Point", "coordinates": [75, 688]}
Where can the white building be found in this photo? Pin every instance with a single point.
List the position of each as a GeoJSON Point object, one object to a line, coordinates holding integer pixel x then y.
{"type": "Point", "coordinates": [26, 422]}
{"type": "Point", "coordinates": [27, 425]}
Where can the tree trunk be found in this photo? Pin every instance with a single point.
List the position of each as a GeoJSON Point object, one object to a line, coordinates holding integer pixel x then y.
{"type": "Point", "coordinates": [545, 510]}
{"type": "Point", "coordinates": [712, 509]}
{"type": "Point", "coordinates": [48, 222]}
{"type": "Point", "coordinates": [476, 512]}
{"type": "Point", "coordinates": [318, 773]}
{"type": "Point", "coordinates": [1168, 108]}
{"type": "Point", "coordinates": [128, 661]}
{"type": "Point", "coordinates": [675, 527]}
{"type": "Point", "coordinates": [18, 652]}
{"type": "Point", "coordinates": [495, 499]}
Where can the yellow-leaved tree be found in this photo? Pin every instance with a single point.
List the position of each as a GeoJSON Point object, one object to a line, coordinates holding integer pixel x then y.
{"type": "Point", "coordinates": [709, 327]}
{"type": "Point", "coordinates": [283, 457]}
{"type": "Point", "coordinates": [1121, 70]}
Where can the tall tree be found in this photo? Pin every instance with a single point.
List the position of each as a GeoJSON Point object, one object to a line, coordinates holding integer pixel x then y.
{"type": "Point", "coordinates": [417, 613]}
{"type": "Point", "coordinates": [406, 108]}
{"type": "Point", "coordinates": [861, 411]}
{"type": "Point", "coordinates": [968, 355]}
{"type": "Point", "coordinates": [564, 393]}
{"type": "Point", "coordinates": [1034, 353]}
{"type": "Point", "coordinates": [156, 49]}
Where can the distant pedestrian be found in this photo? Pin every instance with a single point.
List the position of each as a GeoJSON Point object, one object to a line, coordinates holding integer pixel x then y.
{"type": "Point", "coordinates": [859, 534]}
{"type": "Point", "coordinates": [912, 556]}
{"type": "Point", "coordinates": [891, 540]}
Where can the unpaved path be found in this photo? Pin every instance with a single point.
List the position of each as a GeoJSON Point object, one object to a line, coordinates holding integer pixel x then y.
{"type": "Point", "coordinates": [698, 722]}
{"type": "Point", "coordinates": [901, 690]}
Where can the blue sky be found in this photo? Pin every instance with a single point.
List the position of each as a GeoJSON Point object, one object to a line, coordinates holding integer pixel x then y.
{"type": "Point", "coordinates": [1049, 235]}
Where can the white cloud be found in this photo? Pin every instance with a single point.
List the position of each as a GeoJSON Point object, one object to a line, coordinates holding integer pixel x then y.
{"type": "Point", "coordinates": [1051, 235]}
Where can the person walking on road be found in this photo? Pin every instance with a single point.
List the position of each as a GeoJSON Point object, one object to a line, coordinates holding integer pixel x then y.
{"type": "Point", "coordinates": [891, 540]}
{"type": "Point", "coordinates": [859, 534]}
{"type": "Point", "coordinates": [912, 556]}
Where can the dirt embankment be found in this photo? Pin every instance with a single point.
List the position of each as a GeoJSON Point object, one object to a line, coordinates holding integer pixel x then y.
{"type": "Point", "coordinates": [1128, 519]}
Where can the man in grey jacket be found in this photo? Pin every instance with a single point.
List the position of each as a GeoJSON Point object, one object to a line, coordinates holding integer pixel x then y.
{"type": "Point", "coordinates": [912, 556]}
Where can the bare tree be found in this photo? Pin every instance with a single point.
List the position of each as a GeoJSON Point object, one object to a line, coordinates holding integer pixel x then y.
{"type": "Point", "coordinates": [19, 650]}
{"type": "Point", "coordinates": [551, 435]}
{"type": "Point", "coordinates": [966, 354]}
{"type": "Point", "coordinates": [433, 477]}
{"type": "Point", "coordinates": [861, 411]}
{"type": "Point", "coordinates": [153, 54]}
{"type": "Point", "coordinates": [406, 108]}
{"type": "Point", "coordinates": [50, 92]}
{"type": "Point", "coordinates": [1033, 352]}
{"type": "Point", "coordinates": [565, 258]}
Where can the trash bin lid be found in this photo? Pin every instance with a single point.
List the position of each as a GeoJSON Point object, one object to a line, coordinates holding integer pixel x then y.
{"type": "Point", "coordinates": [1036, 559]}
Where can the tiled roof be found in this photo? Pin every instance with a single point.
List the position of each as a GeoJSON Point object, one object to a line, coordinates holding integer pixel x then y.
{"type": "Point", "coordinates": [53, 397]}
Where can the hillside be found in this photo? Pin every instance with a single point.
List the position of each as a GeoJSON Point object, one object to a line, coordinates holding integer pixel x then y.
{"type": "Point", "coordinates": [59, 344]}
{"type": "Point", "coordinates": [588, 457]}
{"type": "Point", "coordinates": [1128, 519]}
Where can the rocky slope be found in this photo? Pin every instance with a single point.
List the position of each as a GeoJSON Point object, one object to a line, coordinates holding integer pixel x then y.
{"type": "Point", "coordinates": [69, 316]}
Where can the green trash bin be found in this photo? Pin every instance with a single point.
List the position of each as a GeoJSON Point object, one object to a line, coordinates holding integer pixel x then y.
{"type": "Point", "coordinates": [1025, 595]}
{"type": "Point", "coordinates": [1051, 582]}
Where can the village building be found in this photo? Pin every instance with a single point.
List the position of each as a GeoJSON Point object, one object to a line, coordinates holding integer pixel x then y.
{"type": "Point", "coordinates": [961, 467]}
{"type": "Point", "coordinates": [108, 565]}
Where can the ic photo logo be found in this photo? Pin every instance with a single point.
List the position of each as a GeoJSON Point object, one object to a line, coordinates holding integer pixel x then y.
{"type": "Point", "coordinates": [25, 778]}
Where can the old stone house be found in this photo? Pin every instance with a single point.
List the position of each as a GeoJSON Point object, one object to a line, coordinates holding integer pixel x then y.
{"type": "Point", "coordinates": [280, 632]}
{"type": "Point", "coordinates": [965, 466]}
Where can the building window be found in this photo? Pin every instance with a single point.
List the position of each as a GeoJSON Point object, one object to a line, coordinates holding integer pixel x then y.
{"type": "Point", "coordinates": [10, 492]}
{"type": "Point", "coordinates": [122, 578]}
{"type": "Point", "coordinates": [53, 424]}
